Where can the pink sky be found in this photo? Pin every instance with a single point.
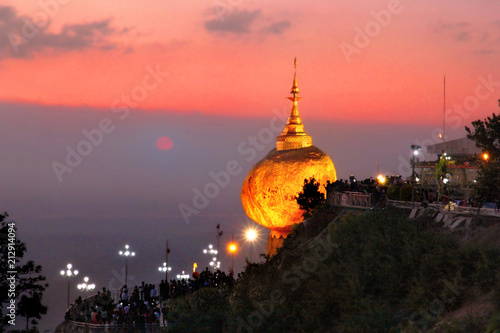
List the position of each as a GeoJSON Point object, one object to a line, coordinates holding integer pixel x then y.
{"type": "Point", "coordinates": [237, 63]}
{"type": "Point", "coordinates": [239, 60]}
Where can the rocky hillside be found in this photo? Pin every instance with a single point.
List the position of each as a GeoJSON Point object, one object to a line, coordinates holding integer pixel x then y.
{"type": "Point", "coordinates": [365, 272]}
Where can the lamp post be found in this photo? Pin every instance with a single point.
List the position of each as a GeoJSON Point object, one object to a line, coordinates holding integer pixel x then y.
{"type": "Point", "coordinates": [167, 252]}
{"type": "Point", "coordinates": [182, 276]}
{"type": "Point", "coordinates": [219, 233]}
{"type": "Point", "coordinates": [85, 287]}
{"type": "Point", "coordinates": [212, 252]}
{"type": "Point", "coordinates": [415, 149]}
{"type": "Point", "coordinates": [232, 248]}
{"type": "Point", "coordinates": [127, 253]}
{"type": "Point", "coordinates": [251, 236]}
{"type": "Point", "coordinates": [69, 273]}
{"type": "Point", "coordinates": [165, 269]}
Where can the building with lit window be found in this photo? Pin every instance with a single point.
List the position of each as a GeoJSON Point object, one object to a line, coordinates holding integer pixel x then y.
{"type": "Point", "coordinates": [464, 160]}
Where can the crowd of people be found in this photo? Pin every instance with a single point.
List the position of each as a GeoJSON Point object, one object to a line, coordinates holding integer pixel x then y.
{"type": "Point", "coordinates": [425, 196]}
{"type": "Point", "coordinates": [144, 305]}
{"type": "Point", "coordinates": [368, 185]}
{"type": "Point", "coordinates": [206, 278]}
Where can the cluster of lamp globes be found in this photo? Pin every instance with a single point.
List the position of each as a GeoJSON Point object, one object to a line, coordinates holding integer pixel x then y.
{"type": "Point", "coordinates": [164, 268]}
{"type": "Point", "coordinates": [127, 252]}
{"type": "Point", "coordinates": [214, 263]}
{"type": "Point", "coordinates": [86, 286]}
{"type": "Point", "coordinates": [70, 272]}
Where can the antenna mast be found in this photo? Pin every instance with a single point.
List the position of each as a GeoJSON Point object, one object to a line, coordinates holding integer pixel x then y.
{"type": "Point", "coordinates": [444, 111]}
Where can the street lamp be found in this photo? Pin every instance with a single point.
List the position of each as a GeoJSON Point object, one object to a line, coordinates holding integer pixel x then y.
{"type": "Point", "coordinates": [251, 236]}
{"type": "Point", "coordinates": [219, 233]}
{"type": "Point", "coordinates": [214, 263]}
{"type": "Point", "coordinates": [182, 276]}
{"type": "Point", "coordinates": [127, 253]}
{"type": "Point", "coordinates": [165, 269]}
{"type": "Point", "coordinates": [232, 248]}
{"type": "Point", "coordinates": [69, 273]}
{"type": "Point", "coordinates": [212, 252]}
{"type": "Point", "coordinates": [86, 287]}
{"type": "Point", "coordinates": [415, 149]}
{"type": "Point", "coordinates": [167, 252]}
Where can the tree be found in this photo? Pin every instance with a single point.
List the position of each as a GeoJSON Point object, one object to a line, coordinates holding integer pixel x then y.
{"type": "Point", "coordinates": [29, 283]}
{"type": "Point", "coordinates": [310, 197]}
{"type": "Point", "coordinates": [31, 307]}
{"type": "Point", "coordinates": [486, 134]}
{"type": "Point", "coordinates": [440, 174]}
{"type": "Point", "coordinates": [487, 187]}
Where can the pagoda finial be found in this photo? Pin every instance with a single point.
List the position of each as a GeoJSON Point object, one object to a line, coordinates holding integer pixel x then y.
{"type": "Point", "coordinates": [295, 67]}
{"type": "Point", "coordinates": [294, 136]}
{"type": "Point", "coordinates": [295, 86]}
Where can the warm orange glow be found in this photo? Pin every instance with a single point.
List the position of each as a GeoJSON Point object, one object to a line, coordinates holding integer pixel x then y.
{"type": "Point", "coordinates": [381, 179]}
{"type": "Point", "coordinates": [251, 235]}
{"type": "Point", "coordinates": [232, 247]}
{"type": "Point", "coordinates": [185, 89]}
{"type": "Point", "coordinates": [268, 193]}
{"type": "Point", "coordinates": [486, 156]}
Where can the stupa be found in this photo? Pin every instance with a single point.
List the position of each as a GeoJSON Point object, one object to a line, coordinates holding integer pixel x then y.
{"type": "Point", "coordinates": [269, 190]}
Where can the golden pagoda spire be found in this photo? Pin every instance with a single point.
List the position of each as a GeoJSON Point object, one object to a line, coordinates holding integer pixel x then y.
{"type": "Point", "coordinates": [294, 136]}
{"type": "Point", "coordinates": [295, 86]}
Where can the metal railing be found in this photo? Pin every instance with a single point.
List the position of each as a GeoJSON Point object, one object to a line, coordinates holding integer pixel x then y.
{"type": "Point", "coordinates": [351, 199]}
{"type": "Point", "coordinates": [450, 207]}
{"type": "Point", "coordinates": [77, 327]}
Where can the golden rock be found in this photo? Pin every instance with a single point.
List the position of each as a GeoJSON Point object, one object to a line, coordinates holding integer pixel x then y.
{"type": "Point", "coordinates": [269, 190]}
